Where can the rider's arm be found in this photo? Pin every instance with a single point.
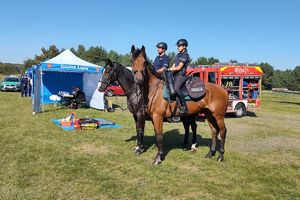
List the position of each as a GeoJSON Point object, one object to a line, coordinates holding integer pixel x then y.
{"type": "Point", "coordinates": [176, 68]}
{"type": "Point", "coordinates": [161, 70]}
{"type": "Point", "coordinates": [165, 65]}
{"type": "Point", "coordinates": [183, 60]}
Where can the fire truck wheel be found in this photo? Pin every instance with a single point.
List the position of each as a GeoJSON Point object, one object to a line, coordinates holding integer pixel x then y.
{"type": "Point", "coordinates": [240, 110]}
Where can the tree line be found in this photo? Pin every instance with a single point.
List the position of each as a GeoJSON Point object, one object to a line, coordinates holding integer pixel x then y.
{"type": "Point", "coordinates": [272, 78]}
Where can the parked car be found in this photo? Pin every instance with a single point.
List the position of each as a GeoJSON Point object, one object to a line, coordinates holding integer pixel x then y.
{"type": "Point", "coordinates": [114, 90]}
{"type": "Point", "coordinates": [11, 83]}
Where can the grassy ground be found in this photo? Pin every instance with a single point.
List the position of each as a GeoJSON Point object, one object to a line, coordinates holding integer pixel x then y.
{"type": "Point", "coordinates": [41, 161]}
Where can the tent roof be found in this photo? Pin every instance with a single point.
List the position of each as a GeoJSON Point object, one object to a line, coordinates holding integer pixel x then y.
{"type": "Point", "coordinates": [67, 57]}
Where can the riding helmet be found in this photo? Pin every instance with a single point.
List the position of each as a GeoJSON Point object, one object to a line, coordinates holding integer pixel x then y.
{"type": "Point", "coordinates": [182, 42]}
{"type": "Point", "coordinates": [162, 45]}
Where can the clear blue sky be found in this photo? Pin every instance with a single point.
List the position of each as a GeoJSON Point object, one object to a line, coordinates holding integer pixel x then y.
{"type": "Point", "coordinates": [249, 31]}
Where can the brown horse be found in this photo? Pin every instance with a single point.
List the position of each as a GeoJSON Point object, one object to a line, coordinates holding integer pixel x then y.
{"type": "Point", "coordinates": [213, 104]}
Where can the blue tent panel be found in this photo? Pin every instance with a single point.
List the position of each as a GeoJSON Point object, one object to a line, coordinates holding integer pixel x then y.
{"type": "Point", "coordinates": [53, 82]}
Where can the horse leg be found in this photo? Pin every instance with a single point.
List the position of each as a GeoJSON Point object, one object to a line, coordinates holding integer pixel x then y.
{"type": "Point", "coordinates": [214, 131]}
{"type": "Point", "coordinates": [136, 129]}
{"type": "Point", "coordinates": [140, 126]}
{"type": "Point", "coordinates": [223, 132]}
{"type": "Point", "coordinates": [194, 130]}
{"type": "Point", "coordinates": [157, 122]}
{"type": "Point", "coordinates": [186, 125]}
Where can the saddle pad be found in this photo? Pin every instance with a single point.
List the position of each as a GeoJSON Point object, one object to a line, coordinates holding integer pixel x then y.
{"type": "Point", "coordinates": [166, 95]}
{"type": "Point", "coordinates": [195, 88]}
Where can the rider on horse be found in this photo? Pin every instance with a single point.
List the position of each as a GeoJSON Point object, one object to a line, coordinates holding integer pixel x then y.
{"type": "Point", "coordinates": [161, 62]}
{"type": "Point", "coordinates": [179, 68]}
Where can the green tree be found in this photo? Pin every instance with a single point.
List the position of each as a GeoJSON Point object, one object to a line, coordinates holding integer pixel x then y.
{"type": "Point", "coordinates": [296, 74]}
{"type": "Point", "coordinates": [126, 60]}
{"type": "Point", "coordinates": [171, 56]}
{"type": "Point", "coordinates": [29, 62]}
{"type": "Point", "coordinates": [204, 61]}
{"type": "Point", "coordinates": [113, 55]}
{"type": "Point", "coordinates": [96, 55]}
{"type": "Point", "coordinates": [267, 76]}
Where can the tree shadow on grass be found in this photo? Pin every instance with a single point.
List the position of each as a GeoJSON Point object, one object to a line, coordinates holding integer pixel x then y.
{"type": "Point", "coordinates": [287, 102]}
{"type": "Point", "coordinates": [172, 140]}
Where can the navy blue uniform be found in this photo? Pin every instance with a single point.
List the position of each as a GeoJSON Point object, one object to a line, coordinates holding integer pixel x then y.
{"type": "Point", "coordinates": [161, 61]}
{"type": "Point", "coordinates": [179, 76]}
{"type": "Point", "coordinates": [184, 58]}
{"type": "Point", "coordinates": [24, 86]}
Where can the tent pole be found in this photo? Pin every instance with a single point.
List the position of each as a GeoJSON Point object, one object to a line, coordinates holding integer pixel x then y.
{"type": "Point", "coordinates": [42, 91]}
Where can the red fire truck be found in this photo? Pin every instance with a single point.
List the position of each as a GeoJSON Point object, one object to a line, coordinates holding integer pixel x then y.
{"type": "Point", "coordinates": [241, 81]}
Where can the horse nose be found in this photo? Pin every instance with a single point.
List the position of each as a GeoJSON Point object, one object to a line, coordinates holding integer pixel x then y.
{"type": "Point", "coordinates": [139, 81]}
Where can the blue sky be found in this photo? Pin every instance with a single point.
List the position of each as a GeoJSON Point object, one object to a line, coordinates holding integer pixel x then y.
{"type": "Point", "coordinates": [249, 31]}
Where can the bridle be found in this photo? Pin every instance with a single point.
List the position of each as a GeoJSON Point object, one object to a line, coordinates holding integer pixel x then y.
{"type": "Point", "coordinates": [108, 79]}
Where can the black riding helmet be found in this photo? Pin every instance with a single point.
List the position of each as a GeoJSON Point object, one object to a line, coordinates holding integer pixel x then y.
{"type": "Point", "coordinates": [182, 42]}
{"type": "Point", "coordinates": [162, 45]}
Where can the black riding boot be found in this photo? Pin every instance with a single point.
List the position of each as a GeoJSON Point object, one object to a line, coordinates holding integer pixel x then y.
{"type": "Point", "coordinates": [183, 110]}
{"type": "Point", "coordinates": [170, 82]}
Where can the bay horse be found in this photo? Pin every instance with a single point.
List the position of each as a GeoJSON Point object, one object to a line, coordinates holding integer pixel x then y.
{"type": "Point", "coordinates": [213, 104]}
{"type": "Point", "coordinates": [113, 72]}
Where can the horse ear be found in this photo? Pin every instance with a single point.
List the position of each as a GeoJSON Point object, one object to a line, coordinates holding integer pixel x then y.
{"type": "Point", "coordinates": [132, 49]}
{"type": "Point", "coordinates": [143, 50]}
{"type": "Point", "coordinates": [108, 62]}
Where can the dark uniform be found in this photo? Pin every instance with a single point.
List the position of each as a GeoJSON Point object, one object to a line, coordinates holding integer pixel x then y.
{"type": "Point", "coordinates": [24, 86]}
{"type": "Point", "coordinates": [161, 61]}
{"type": "Point", "coordinates": [180, 76]}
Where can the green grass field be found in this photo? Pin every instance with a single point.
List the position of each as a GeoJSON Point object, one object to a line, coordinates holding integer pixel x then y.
{"type": "Point", "coordinates": [41, 161]}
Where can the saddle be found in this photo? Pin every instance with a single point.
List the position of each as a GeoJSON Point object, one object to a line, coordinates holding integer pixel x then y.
{"type": "Point", "coordinates": [193, 90]}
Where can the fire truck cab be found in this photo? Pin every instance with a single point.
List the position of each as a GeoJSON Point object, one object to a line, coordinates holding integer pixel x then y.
{"type": "Point", "coordinates": [241, 81]}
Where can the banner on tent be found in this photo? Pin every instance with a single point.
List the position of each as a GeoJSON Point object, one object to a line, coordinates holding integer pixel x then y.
{"type": "Point", "coordinates": [73, 68]}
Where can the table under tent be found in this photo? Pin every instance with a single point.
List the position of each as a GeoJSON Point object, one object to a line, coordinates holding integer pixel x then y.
{"type": "Point", "coordinates": [63, 72]}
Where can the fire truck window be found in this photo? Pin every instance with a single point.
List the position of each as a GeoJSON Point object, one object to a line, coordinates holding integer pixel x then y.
{"type": "Point", "coordinates": [234, 82]}
{"type": "Point", "coordinates": [196, 75]}
{"type": "Point", "coordinates": [211, 77]}
{"type": "Point", "coordinates": [251, 82]}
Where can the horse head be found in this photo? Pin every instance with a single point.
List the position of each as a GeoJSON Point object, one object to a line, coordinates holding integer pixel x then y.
{"type": "Point", "coordinates": [108, 75]}
{"type": "Point", "coordinates": [139, 59]}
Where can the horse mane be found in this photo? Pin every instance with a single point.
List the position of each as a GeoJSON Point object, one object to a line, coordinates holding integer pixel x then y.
{"type": "Point", "coordinates": [152, 69]}
{"type": "Point", "coordinates": [124, 71]}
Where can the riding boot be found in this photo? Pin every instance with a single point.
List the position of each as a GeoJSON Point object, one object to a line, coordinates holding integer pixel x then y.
{"type": "Point", "coordinates": [183, 110]}
{"type": "Point", "coordinates": [170, 82]}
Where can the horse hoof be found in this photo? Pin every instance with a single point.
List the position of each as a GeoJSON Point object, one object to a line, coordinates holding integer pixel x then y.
{"type": "Point", "coordinates": [138, 151]}
{"type": "Point", "coordinates": [135, 148]}
{"type": "Point", "coordinates": [220, 158]}
{"type": "Point", "coordinates": [156, 162]}
{"type": "Point", "coordinates": [193, 148]}
{"type": "Point", "coordinates": [210, 154]}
